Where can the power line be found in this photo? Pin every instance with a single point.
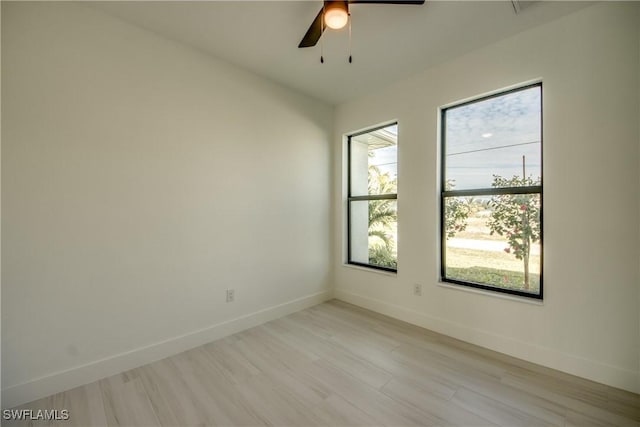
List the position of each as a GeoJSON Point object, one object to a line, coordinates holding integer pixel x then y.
{"type": "Point", "coordinates": [494, 167]}
{"type": "Point", "coordinates": [493, 148]}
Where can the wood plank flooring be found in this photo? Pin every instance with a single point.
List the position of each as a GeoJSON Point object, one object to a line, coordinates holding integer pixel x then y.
{"type": "Point", "coordinates": [340, 365]}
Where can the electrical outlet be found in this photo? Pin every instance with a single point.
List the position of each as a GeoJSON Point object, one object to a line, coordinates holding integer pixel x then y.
{"type": "Point", "coordinates": [231, 295]}
{"type": "Point", "coordinates": [417, 289]}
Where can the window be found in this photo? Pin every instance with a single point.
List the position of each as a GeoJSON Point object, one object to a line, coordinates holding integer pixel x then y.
{"type": "Point", "coordinates": [372, 206]}
{"type": "Point", "coordinates": [491, 193]}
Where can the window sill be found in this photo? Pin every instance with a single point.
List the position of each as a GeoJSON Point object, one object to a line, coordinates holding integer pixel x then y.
{"type": "Point", "coordinates": [393, 274]}
{"type": "Point", "coordinates": [491, 294]}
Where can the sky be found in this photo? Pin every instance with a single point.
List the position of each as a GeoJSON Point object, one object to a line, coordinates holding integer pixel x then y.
{"type": "Point", "coordinates": [491, 136]}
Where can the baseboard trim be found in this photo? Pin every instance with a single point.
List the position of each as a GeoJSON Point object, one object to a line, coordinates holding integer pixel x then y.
{"type": "Point", "coordinates": [87, 373]}
{"type": "Point", "coordinates": [571, 364]}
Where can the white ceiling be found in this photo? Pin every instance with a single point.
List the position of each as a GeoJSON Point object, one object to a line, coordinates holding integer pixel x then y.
{"type": "Point", "coordinates": [389, 41]}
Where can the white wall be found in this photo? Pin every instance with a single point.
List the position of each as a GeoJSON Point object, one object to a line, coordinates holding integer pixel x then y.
{"type": "Point", "coordinates": [140, 179]}
{"type": "Point", "coordinates": [588, 323]}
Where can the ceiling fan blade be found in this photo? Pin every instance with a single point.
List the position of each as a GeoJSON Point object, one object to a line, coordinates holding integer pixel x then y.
{"type": "Point", "coordinates": [314, 32]}
{"type": "Point", "coordinates": [387, 1]}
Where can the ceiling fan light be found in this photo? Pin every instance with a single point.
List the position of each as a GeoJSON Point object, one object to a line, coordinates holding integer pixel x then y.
{"type": "Point", "coordinates": [336, 18]}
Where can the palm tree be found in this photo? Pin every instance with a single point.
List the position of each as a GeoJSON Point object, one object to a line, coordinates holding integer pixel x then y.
{"type": "Point", "coordinates": [382, 217]}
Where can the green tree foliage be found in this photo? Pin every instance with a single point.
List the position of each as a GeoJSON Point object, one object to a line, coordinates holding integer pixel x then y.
{"type": "Point", "coordinates": [516, 217]}
{"type": "Point", "coordinates": [456, 212]}
{"type": "Point", "coordinates": [382, 217]}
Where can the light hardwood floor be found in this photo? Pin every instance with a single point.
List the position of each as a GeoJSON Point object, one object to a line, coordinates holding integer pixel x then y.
{"type": "Point", "coordinates": [337, 364]}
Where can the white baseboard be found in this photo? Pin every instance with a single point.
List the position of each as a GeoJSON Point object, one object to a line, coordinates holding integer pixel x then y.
{"type": "Point", "coordinates": [596, 371]}
{"type": "Point", "coordinates": [84, 374]}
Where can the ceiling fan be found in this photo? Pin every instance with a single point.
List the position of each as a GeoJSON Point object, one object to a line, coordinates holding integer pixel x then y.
{"type": "Point", "coordinates": [335, 15]}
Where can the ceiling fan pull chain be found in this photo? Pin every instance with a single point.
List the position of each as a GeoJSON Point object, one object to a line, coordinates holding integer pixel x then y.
{"type": "Point", "coordinates": [322, 38]}
{"type": "Point", "coordinates": [350, 50]}
{"type": "Point", "coordinates": [321, 50]}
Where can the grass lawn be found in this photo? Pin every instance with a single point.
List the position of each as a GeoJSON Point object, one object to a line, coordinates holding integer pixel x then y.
{"type": "Point", "coordinates": [492, 268]}
{"type": "Point", "coordinates": [504, 279]}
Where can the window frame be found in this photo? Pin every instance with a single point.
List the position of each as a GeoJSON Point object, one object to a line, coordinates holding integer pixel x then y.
{"type": "Point", "coordinates": [538, 189]}
{"type": "Point", "coordinates": [350, 198]}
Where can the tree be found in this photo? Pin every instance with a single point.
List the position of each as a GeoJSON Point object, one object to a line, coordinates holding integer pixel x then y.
{"type": "Point", "coordinates": [516, 216]}
{"type": "Point", "coordinates": [382, 215]}
{"type": "Point", "coordinates": [456, 212]}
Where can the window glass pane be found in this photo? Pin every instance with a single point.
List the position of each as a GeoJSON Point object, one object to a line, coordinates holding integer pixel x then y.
{"type": "Point", "coordinates": [496, 136]}
{"type": "Point", "coordinates": [494, 241]}
{"type": "Point", "coordinates": [374, 232]}
{"type": "Point", "coordinates": [374, 162]}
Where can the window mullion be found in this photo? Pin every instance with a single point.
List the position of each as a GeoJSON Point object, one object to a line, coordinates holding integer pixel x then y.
{"type": "Point", "coordinates": [493, 191]}
{"type": "Point", "coordinates": [373, 197]}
